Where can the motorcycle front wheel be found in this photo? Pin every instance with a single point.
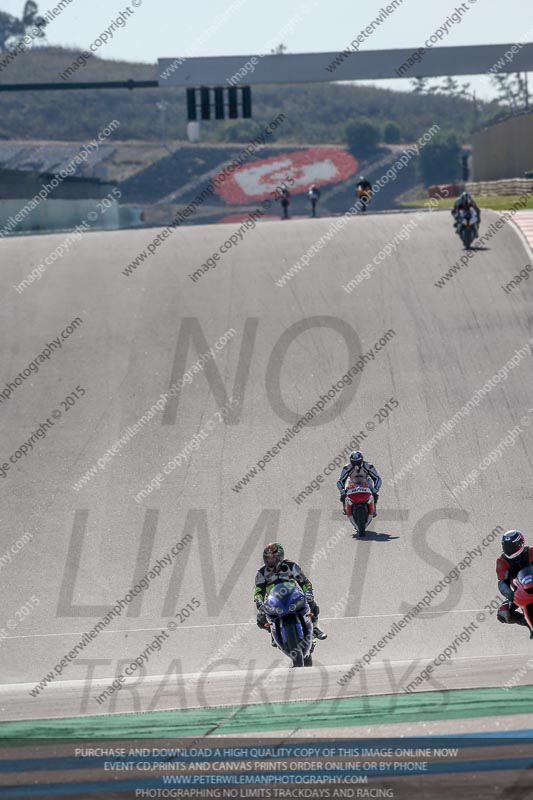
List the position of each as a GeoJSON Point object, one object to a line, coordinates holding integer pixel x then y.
{"type": "Point", "coordinates": [293, 645]}
{"type": "Point", "coordinates": [468, 237]}
{"type": "Point", "coordinates": [361, 515]}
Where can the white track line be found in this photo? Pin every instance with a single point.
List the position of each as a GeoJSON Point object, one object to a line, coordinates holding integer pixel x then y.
{"type": "Point", "coordinates": [231, 624]}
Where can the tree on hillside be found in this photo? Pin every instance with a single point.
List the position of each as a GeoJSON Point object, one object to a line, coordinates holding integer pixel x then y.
{"type": "Point", "coordinates": [12, 29]}
{"type": "Point", "coordinates": [453, 88]}
{"type": "Point", "coordinates": [9, 28]}
{"type": "Point", "coordinates": [392, 133]}
{"type": "Point", "coordinates": [420, 85]}
{"type": "Point", "coordinates": [423, 86]}
{"type": "Point", "coordinates": [244, 130]}
{"type": "Point", "coordinates": [280, 50]}
{"type": "Point", "coordinates": [439, 159]}
{"type": "Point", "coordinates": [512, 90]}
{"type": "Point", "coordinates": [362, 136]}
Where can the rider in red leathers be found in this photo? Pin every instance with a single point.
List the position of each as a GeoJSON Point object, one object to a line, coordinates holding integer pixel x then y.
{"type": "Point", "coordinates": [515, 556]}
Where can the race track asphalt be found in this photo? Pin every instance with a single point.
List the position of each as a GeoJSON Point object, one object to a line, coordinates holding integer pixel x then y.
{"type": "Point", "coordinates": [139, 334]}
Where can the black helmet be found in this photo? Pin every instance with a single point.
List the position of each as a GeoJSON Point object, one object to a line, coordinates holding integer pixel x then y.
{"type": "Point", "coordinates": [356, 458]}
{"type": "Point", "coordinates": [273, 555]}
{"type": "Point", "coordinates": [513, 544]}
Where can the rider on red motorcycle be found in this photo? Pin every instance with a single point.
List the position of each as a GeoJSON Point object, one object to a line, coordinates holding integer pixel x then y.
{"type": "Point", "coordinates": [357, 467]}
{"type": "Point", "coordinates": [277, 569]}
{"type": "Point", "coordinates": [515, 556]}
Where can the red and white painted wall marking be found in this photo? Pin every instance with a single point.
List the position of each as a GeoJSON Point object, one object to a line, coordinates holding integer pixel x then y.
{"type": "Point", "coordinates": [257, 181]}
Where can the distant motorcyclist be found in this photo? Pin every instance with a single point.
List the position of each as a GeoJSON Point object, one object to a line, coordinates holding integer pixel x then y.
{"type": "Point", "coordinates": [314, 196]}
{"type": "Point", "coordinates": [363, 184]}
{"type": "Point", "coordinates": [364, 192]}
{"type": "Point", "coordinates": [357, 467]}
{"type": "Point", "coordinates": [285, 200]}
{"type": "Point", "coordinates": [516, 555]}
{"type": "Point", "coordinates": [277, 569]}
{"type": "Point", "coordinates": [464, 202]}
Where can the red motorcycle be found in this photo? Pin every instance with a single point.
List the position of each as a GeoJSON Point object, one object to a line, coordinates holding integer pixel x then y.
{"type": "Point", "coordinates": [359, 504]}
{"type": "Point", "coordinates": [523, 596]}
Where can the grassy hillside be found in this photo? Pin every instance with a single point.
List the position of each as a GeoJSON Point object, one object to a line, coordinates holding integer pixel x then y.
{"type": "Point", "coordinates": [316, 113]}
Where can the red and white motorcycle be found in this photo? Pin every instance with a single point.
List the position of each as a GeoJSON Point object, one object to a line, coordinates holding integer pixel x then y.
{"type": "Point", "coordinates": [359, 504]}
{"type": "Point", "coordinates": [523, 595]}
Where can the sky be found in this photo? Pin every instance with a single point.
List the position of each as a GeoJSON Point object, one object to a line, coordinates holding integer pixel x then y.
{"type": "Point", "coordinates": [171, 28]}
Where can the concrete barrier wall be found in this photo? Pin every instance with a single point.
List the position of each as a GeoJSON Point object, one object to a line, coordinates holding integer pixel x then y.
{"type": "Point", "coordinates": [515, 186]}
{"type": "Point", "coordinates": [503, 150]}
{"type": "Point", "coordinates": [54, 215]}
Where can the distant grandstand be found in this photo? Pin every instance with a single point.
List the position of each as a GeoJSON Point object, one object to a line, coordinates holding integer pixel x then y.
{"type": "Point", "coordinates": [159, 181]}
{"type": "Point", "coordinates": [51, 158]}
{"type": "Point", "coordinates": [43, 187]}
{"type": "Point", "coordinates": [174, 182]}
{"type": "Point", "coordinates": [18, 184]}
